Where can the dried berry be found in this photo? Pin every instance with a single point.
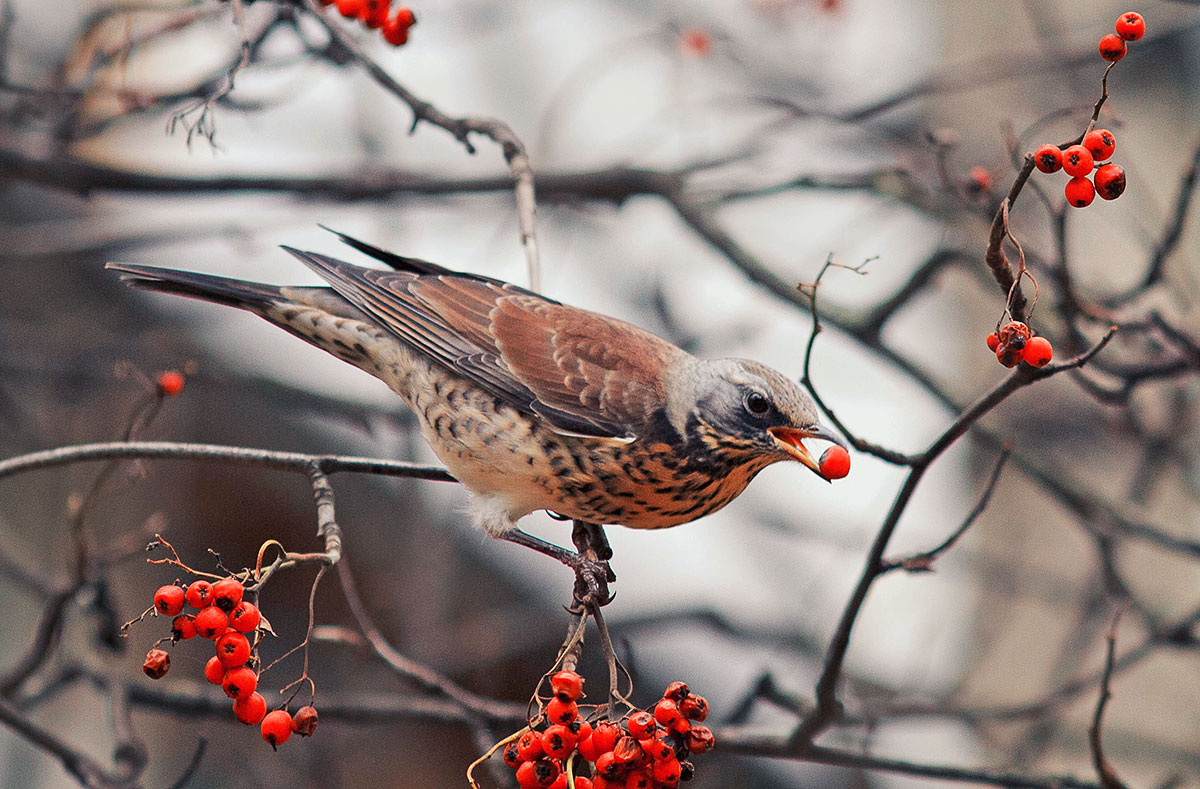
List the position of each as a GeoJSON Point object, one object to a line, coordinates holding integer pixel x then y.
{"type": "Point", "coordinates": [158, 662]}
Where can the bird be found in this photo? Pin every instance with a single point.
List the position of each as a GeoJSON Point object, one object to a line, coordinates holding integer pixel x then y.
{"type": "Point", "coordinates": [530, 403]}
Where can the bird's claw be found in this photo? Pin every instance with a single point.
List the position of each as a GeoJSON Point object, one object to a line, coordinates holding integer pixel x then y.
{"type": "Point", "coordinates": [592, 577]}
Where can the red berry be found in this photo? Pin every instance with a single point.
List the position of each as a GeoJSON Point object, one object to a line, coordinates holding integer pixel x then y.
{"type": "Point", "coordinates": [681, 725]}
{"type": "Point", "coordinates": [835, 463]}
{"type": "Point", "coordinates": [529, 747]}
{"type": "Point", "coordinates": [559, 711]}
{"type": "Point", "coordinates": [666, 772]}
{"type": "Point", "coordinates": [214, 670]}
{"type": "Point", "coordinates": [170, 383]}
{"type": "Point", "coordinates": [992, 341]}
{"type": "Point", "coordinates": [658, 749]}
{"type": "Point", "coordinates": [168, 600]}
{"type": "Point", "coordinates": [607, 766]}
{"type": "Point", "coordinates": [567, 684]}
{"type": "Point", "coordinates": [1131, 26]}
{"type": "Point", "coordinates": [981, 179]}
{"type": "Point", "coordinates": [239, 682]}
{"type": "Point", "coordinates": [199, 594]}
{"type": "Point", "coordinates": [675, 691]}
{"type": "Point", "coordinates": [547, 772]}
{"type": "Point", "coordinates": [641, 725]}
{"type": "Point", "coordinates": [1038, 352]}
{"type": "Point", "coordinates": [1077, 161]}
{"type": "Point", "coordinates": [639, 779]}
{"type": "Point", "coordinates": [700, 739]}
{"type": "Point", "coordinates": [374, 13]}
{"type": "Point", "coordinates": [666, 712]}
{"type": "Point", "coordinates": [227, 593]}
{"type": "Point", "coordinates": [395, 32]}
{"type": "Point", "coordinates": [584, 783]}
{"type": "Point", "coordinates": [211, 622]}
{"type": "Point", "coordinates": [183, 627]}
{"type": "Point", "coordinates": [277, 727]}
{"type": "Point", "coordinates": [526, 777]}
{"type": "Point", "coordinates": [350, 8]}
{"type": "Point", "coordinates": [1110, 181]}
{"type": "Point", "coordinates": [510, 756]}
{"type": "Point", "coordinates": [158, 662]}
{"type": "Point", "coordinates": [233, 648]}
{"type": "Point", "coordinates": [694, 708]}
{"type": "Point", "coordinates": [1048, 158]}
{"type": "Point", "coordinates": [558, 741]}
{"type": "Point", "coordinates": [1100, 144]}
{"type": "Point", "coordinates": [1112, 47]}
{"type": "Point", "coordinates": [695, 42]}
{"type": "Point", "coordinates": [1080, 192]}
{"type": "Point", "coordinates": [588, 749]}
{"type": "Point", "coordinates": [250, 709]}
{"type": "Point", "coordinates": [604, 736]}
{"type": "Point", "coordinates": [405, 16]}
{"type": "Point", "coordinates": [304, 721]}
{"type": "Point", "coordinates": [245, 617]}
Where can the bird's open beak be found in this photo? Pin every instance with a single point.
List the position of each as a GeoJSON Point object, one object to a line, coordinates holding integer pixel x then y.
{"type": "Point", "coordinates": [790, 438]}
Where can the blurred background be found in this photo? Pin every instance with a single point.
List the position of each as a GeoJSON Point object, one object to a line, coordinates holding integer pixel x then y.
{"type": "Point", "coordinates": [695, 162]}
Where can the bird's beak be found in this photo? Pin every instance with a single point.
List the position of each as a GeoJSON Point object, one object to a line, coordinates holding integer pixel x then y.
{"type": "Point", "coordinates": [790, 438]}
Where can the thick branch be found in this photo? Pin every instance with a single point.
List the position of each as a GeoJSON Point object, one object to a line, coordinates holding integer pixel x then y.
{"type": "Point", "coordinates": [245, 456]}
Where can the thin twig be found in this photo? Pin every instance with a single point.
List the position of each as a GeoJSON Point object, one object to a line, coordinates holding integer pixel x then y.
{"type": "Point", "coordinates": [1108, 776]}
{"type": "Point", "coordinates": [461, 128]}
{"type": "Point", "coordinates": [923, 561]}
{"type": "Point", "coordinates": [425, 677]}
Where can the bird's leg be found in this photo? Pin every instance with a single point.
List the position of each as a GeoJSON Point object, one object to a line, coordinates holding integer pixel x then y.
{"type": "Point", "coordinates": [592, 536]}
{"type": "Point", "coordinates": [592, 574]}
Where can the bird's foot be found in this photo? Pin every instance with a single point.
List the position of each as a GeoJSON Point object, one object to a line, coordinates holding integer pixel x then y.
{"type": "Point", "coordinates": [592, 577]}
{"type": "Point", "coordinates": [593, 573]}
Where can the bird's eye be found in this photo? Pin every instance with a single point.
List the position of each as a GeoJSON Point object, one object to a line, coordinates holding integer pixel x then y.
{"type": "Point", "coordinates": [757, 403]}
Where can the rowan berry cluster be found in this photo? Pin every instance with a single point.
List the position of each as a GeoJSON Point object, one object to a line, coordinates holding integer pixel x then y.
{"type": "Point", "coordinates": [1078, 161]}
{"type": "Point", "coordinates": [224, 618]}
{"type": "Point", "coordinates": [647, 749]}
{"type": "Point", "coordinates": [377, 15]}
{"type": "Point", "coordinates": [1130, 27]}
{"type": "Point", "coordinates": [1013, 343]}
{"type": "Point", "coordinates": [1097, 145]}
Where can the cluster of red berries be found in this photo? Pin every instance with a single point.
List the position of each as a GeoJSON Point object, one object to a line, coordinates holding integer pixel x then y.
{"type": "Point", "coordinates": [376, 14]}
{"type": "Point", "coordinates": [1013, 344]}
{"type": "Point", "coordinates": [835, 463]}
{"type": "Point", "coordinates": [1130, 27]}
{"type": "Point", "coordinates": [1078, 161]}
{"type": "Point", "coordinates": [645, 750]}
{"type": "Point", "coordinates": [223, 617]}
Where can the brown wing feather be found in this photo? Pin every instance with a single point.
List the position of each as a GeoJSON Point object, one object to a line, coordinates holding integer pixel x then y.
{"type": "Point", "coordinates": [581, 366]}
{"type": "Point", "coordinates": [581, 371]}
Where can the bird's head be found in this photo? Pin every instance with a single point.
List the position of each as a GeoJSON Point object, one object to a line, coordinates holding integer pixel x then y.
{"type": "Point", "coordinates": [743, 407]}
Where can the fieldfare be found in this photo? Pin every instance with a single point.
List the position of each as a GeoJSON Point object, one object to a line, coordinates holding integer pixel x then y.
{"type": "Point", "coordinates": [533, 404]}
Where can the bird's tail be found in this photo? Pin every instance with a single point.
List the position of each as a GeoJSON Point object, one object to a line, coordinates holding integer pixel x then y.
{"type": "Point", "coordinates": [251, 296]}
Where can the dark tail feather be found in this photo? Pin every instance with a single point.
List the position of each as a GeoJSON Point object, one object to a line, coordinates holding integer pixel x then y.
{"type": "Point", "coordinates": [398, 262]}
{"type": "Point", "coordinates": [206, 287]}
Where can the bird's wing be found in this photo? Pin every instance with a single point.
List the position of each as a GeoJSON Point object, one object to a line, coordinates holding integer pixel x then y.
{"type": "Point", "coordinates": [582, 372]}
